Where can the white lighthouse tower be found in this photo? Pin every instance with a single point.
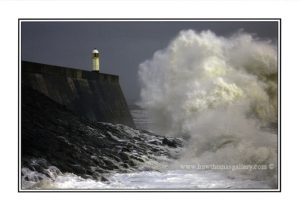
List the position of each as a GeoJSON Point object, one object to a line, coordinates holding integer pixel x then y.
{"type": "Point", "coordinates": [95, 60]}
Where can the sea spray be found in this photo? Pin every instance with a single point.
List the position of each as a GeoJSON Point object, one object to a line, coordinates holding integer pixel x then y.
{"type": "Point", "coordinates": [220, 92]}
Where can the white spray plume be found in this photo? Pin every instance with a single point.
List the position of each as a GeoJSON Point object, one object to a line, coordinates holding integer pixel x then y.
{"type": "Point", "coordinates": [218, 91]}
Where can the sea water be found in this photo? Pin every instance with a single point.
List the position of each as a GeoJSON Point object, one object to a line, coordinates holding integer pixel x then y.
{"type": "Point", "coordinates": [221, 95]}
{"type": "Point", "coordinates": [162, 175]}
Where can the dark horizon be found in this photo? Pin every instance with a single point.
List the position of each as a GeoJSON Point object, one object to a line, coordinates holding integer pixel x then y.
{"type": "Point", "coordinates": [123, 45]}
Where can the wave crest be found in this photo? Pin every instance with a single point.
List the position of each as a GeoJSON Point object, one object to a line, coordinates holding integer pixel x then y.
{"type": "Point", "coordinates": [210, 87]}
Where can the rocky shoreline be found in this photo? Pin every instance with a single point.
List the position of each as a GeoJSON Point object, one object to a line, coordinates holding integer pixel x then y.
{"type": "Point", "coordinates": [54, 138]}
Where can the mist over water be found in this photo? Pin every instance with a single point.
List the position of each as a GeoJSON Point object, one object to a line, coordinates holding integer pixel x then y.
{"type": "Point", "coordinates": [221, 94]}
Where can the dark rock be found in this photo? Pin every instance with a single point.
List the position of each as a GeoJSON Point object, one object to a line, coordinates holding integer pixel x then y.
{"type": "Point", "coordinates": [169, 143]}
{"type": "Point", "coordinates": [103, 179]}
{"type": "Point", "coordinates": [52, 135]}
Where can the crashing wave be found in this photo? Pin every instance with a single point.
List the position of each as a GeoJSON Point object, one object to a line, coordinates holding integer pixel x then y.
{"type": "Point", "coordinates": [219, 91]}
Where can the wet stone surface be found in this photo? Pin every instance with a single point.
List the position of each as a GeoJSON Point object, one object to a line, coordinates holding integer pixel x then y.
{"type": "Point", "coordinates": [51, 135]}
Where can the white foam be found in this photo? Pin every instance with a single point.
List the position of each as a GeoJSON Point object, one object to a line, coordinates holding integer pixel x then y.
{"type": "Point", "coordinates": [174, 179]}
{"type": "Point", "coordinates": [217, 90]}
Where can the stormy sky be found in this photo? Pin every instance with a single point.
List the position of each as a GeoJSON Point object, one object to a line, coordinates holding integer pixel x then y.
{"type": "Point", "coordinates": [123, 44]}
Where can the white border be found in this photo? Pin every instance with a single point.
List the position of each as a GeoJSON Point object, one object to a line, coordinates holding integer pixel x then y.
{"type": "Point", "coordinates": [158, 20]}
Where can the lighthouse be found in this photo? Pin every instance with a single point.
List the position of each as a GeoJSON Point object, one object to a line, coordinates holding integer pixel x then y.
{"type": "Point", "coordinates": [95, 61]}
